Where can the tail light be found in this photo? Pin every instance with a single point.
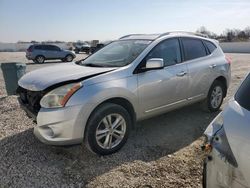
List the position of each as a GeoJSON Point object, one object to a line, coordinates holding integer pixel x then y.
{"type": "Point", "coordinates": [229, 59]}
{"type": "Point", "coordinates": [29, 50]}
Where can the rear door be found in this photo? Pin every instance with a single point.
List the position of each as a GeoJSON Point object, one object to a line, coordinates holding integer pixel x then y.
{"type": "Point", "coordinates": [46, 51]}
{"type": "Point", "coordinates": [38, 50]}
{"type": "Point", "coordinates": [198, 62]}
{"type": "Point", "coordinates": [53, 52]}
{"type": "Point", "coordinates": [161, 90]}
{"type": "Point", "coordinates": [57, 52]}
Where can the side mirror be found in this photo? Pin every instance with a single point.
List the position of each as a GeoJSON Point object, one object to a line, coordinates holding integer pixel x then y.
{"type": "Point", "coordinates": [154, 63]}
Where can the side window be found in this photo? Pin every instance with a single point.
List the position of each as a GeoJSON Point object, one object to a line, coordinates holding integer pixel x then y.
{"type": "Point", "coordinates": [211, 47]}
{"type": "Point", "coordinates": [55, 48]}
{"type": "Point", "coordinates": [45, 47]}
{"type": "Point", "coordinates": [52, 48]}
{"type": "Point", "coordinates": [193, 48]}
{"type": "Point", "coordinates": [168, 50]}
{"type": "Point", "coordinates": [38, 47]}
{"type": "Point", "coordinates": [242, 95]}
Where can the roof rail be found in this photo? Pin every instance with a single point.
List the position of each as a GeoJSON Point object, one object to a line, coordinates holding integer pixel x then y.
{"type": "Point", "coordinates": [129, 35]}
{"type": "Point", "coordinates": [184, 32]}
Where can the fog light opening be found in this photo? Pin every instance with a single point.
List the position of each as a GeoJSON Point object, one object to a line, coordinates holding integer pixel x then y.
{"type": "Point", "coordinates": [49, 132]}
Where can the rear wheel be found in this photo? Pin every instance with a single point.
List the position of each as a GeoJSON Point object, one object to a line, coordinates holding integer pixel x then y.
{"type": "Point", "coordinates": [215, 97]}
{"type": "Point", "coordinates": [40, 59]}
{"type": "Point", "coordinates": [107, 129]}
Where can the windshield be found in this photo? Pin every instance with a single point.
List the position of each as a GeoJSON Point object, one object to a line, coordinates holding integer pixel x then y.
{"type": "Point", "coordinates": [116, 54]}
{"type": "Point", "coordinates": [242, 95]}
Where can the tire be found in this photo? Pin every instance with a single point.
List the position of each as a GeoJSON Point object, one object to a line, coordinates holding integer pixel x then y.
{"type": "Point", "coordinates": [69, 58]}
{"type": "Point", "coordinates": [215, 97]}
{"type": "Point", "coordinates": [204, 175]}
{"type": "Point", "coordinates": [110, 140]}
{"type": "Point", "coordinates": [40, 59]}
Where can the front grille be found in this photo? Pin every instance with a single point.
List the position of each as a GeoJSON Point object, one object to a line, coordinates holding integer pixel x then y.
{"type": "Point", "coordinates": [30, 99]}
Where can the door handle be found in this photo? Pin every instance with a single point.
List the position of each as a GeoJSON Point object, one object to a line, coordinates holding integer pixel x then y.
{"type": "Point", "coordinates": [212, 66]}
{"type": "Point", "coordinates": [182, 73]}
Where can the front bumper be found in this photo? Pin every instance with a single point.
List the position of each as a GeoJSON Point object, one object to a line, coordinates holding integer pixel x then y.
{"type": "Point", "coordinates": [29, 112]}
{"type": "Point", "coordinates": [59, 126]}
{"type": "Point", "coordinates": [218, 173]}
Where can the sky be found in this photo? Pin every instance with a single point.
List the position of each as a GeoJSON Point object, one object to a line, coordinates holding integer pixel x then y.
{"type": "Point", "coordinates": [72, 20]}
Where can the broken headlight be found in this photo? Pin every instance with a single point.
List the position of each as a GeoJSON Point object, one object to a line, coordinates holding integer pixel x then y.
{"type": "Point", "coordinates": [58, 97]}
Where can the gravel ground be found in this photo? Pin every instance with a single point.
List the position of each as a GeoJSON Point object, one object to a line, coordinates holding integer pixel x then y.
{"type": "Point", "coordinates": [161, 152]}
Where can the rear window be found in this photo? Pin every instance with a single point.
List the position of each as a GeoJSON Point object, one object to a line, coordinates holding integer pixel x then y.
{"type": "Point", "coordinates": [30, 47]}
{"type": "Point", "coordinates": [193, 48]}
{"type": "Point", "coordinates": [242, 96]}
{"type": "Point", "coordinates": [40, 47]}
{"type": "Point", "coordinates": [211, 47]}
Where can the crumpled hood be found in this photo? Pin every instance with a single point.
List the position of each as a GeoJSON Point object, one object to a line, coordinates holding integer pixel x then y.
{"type": "Point", "coordinates": [43, 78]}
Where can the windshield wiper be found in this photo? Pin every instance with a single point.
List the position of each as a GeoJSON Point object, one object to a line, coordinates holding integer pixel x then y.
{"type": "Point", "coordinates": [93, 65]}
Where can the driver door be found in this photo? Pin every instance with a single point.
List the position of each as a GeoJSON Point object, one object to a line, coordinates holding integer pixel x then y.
{"type": "Point", "coordinates": [163, 89]}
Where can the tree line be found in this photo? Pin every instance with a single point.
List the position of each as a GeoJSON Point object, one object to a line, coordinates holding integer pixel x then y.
{"type": "Point", "coordinates": [228, 35]}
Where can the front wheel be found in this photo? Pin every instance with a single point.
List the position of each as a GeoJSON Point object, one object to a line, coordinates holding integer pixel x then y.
{"type": "Point", "coordinates": [215, 97]}
{"type": "Point", "coordinates": [69, 58]}
{"type": "Point", "coordinates": [107, 129]}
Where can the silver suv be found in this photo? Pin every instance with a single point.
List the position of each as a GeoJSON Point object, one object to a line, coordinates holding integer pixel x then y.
{"type": "Point", "coordinates": [99, 99]}
{"type": "Point", "coordinates": [41, 52]}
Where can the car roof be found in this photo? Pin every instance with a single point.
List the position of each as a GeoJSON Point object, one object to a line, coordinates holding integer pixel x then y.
{"type": "Point", "coordinates": [156, 36]}
{"type": "Point", "coordinates": [46, 45]}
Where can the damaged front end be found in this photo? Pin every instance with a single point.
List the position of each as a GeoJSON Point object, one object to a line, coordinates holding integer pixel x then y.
{"type": "Point", "coordinates": [220, 165]}
{"type": "Point", "coordinates": [30, 101]}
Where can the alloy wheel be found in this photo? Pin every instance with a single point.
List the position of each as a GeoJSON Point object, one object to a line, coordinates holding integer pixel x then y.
{"type": "Point", "coordinates": [216, 97]}
{"type": "Point", "coordinates": [40, 59]}
{"type": "Point", "coordinates": [110, 131]}
{"type": "Point", "coordinates": [69, 58]}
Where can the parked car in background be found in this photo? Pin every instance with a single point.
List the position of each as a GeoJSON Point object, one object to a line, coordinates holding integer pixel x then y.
{"type": "Point", "coordinates": [228, 144]}
{"type": "Point", "coordinates": [82, 47]}
{"type": "Point", "coordinates": [99, 99]}
{"type": "Point", "coordinates": [96, 48]}
{"type": "Point", "coordinates": [41, 52]}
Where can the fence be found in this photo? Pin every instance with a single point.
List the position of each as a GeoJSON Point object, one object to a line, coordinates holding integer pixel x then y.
{"type": "Point", "coordinates": [20, 47]}
{"type": "Point", "coordinates": [235, 47]}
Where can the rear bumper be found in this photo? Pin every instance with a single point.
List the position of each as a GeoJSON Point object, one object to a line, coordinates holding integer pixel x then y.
{"type": "Point", "coordinates": [28, 57]}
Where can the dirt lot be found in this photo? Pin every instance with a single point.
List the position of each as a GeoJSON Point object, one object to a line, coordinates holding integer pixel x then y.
{"type": "Point", "coordinates": [161, 152]}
